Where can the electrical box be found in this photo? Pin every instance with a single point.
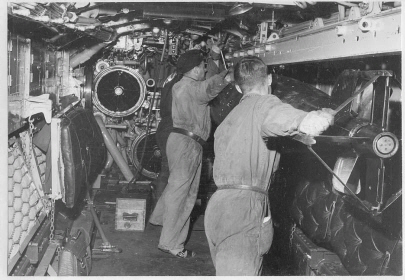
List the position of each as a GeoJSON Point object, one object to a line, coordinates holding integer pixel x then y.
{"type": "Point", "coordinates": [173, 45]}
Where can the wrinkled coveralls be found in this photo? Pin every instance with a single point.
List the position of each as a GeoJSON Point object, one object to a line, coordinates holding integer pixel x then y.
{"type": "Point", "coordinates": [162, 134]}
{"type": "Point", "coordinates": [190, 111]}
{"type": "Point", "coordinates": [234, 226]}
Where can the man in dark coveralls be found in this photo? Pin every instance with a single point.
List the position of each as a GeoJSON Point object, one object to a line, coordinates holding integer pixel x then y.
{"type": "Point", "coordinates": [238, 222]}
{"type": "Point", "coordinates": [191, 128]}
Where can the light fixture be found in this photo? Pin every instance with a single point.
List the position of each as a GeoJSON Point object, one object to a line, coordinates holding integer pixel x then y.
{"type": "Point", "coordinates": [240, 8]}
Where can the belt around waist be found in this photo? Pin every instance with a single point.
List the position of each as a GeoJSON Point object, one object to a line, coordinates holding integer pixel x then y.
{"type": "Point", "coordinates": [189, 134]}
{"type": "Point", "coordinates": [243, 187]}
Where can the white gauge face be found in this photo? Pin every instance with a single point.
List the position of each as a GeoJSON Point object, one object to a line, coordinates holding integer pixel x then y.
{"type": "Point", "coordinates": [386, 145]}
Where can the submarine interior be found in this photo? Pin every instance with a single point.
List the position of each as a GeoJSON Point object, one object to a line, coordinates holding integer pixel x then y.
{"type": "Point", "coordinates": [85, 83]}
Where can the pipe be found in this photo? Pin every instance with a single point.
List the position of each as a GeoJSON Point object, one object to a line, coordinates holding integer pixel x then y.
{"type": "Point", "coordinates": [223, 60]}
{"type": "Point", "coordinates": [123, 153]}
{"type": "Point", "coordinates": [109, 161]}
{"type": "Point", "coordinates": [55, 38]}
{"type": "Point", "coordinates": [121, 145]}
{"type": "Point", "coordinates": [127, 62]}
{"type": "Point", "coordinates": [133, 27]}
{"type": "Point", "coordinates": [117, 126]}
{"type": "Point", "coordinates": [178, 12]}
{"type": "Point", "coordinates": [115, 153]}
{"type": "Point", "coordinates": [84, 20]}
{"type": "Point", "coordinates": [302, 4]}
{"type": "Point", "coordinates": [99, 11]}
{"type": "Point", "coordinates": [121, 140]}
{"type": "Point", "coordinates": [342, 12]}
{"type": "Point", "coordinates": [85, 55]}
{"type": "Point", "coordinates": [99, 227]}
{"type": "Point", "coordinates": [347, 4]}
{"type": "Point", "coordinates": [163, 52]}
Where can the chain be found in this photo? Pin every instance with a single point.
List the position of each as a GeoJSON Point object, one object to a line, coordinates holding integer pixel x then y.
{"type": "Point", "coordinates": [51, 235]}
{"type": "Point", "coordinates": [27, 154]}
{"type": "Point", "coordinates": [27, 151]}
{"type": "Point", "coordinates": [31, 134]}
{"type": "Point", "coordinates": [58, 250]}
{"type": "Point", "coordinates": [294, 227]}
{"type": "Point", "coordinates": [24, 149]}
{"type": "Point", "coordinates": [44, 200]}
{"type": "Point", "coordinates": [45, 203]}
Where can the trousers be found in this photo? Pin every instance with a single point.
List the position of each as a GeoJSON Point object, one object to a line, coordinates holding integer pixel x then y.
{"type": "Point", "coordinates": [174, 207]}
{"type": "Point", "coordinates": [161, 181]}
{"type": "Point", "coordinates": [238, 234]}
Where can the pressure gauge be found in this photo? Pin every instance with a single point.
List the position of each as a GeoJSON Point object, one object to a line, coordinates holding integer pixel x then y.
{"type": "Point", "coordinates": [101, 65]}
{"type": "Point", "coordinates": [385, 144]}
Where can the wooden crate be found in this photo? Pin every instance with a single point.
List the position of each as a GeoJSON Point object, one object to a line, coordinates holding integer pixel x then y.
{"type": "Point", "coordinates": [130, 214]}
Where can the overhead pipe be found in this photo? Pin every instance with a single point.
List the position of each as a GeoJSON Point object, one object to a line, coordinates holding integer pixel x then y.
{"type": "Point", "coordinates": [133, 27]}
{"type": "Point", "coordinates": [302, 5]}
{"type": "Point", "coordinates": [347, 4]}
{"type": "Point", "coordinates": [115, 153]}
{"type": "Point", "coordinates": [127, 62]}
{"type": "Point", "coordinates": [99, 11]}
{"type": "Point", "coordinates": [179, 12]}
{"type": "Point", "coordinates": [85, 55]}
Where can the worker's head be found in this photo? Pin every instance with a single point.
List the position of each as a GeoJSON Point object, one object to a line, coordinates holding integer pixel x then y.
{"type": "Point", "coordinates": [191, 64]}
{"type": "Point", "coordinates": [215, 52]}
{"type": "Point", "coordinates": [251, 75]}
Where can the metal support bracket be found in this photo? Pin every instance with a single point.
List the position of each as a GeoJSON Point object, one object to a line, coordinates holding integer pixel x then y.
{"type": "Point", "coordinates": [351, 193]}
{"type": "Point", "coordinates": [38, 104]}
{"type": "Point", "coordinates": [46, 260]}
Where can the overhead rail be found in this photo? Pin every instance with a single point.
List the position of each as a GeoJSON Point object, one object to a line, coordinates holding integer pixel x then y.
{"type": "Point", "coordinates": [378, 34]}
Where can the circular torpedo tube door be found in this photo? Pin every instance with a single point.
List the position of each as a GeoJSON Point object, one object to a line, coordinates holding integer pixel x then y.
{"type": "Point", "coordinates": [151, 159]}
{"type": "Point", "coordinates": [119, 91]}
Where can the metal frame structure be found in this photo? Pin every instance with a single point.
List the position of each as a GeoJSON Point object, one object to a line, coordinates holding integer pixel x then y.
{"type": "Point", "coordinates": [378, 34]}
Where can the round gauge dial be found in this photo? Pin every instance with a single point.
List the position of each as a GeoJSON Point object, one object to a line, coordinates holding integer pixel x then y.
{"type": "Point", "coordinates": [386, 144]}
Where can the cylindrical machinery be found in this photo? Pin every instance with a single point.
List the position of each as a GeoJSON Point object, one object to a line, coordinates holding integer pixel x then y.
{"type": "Point", "coordinates": [119, 91]}
{"type": "Point", "coordinates": [152, 157]}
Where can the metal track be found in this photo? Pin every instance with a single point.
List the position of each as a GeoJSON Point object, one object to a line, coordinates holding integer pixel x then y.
{"type": "Point", "coordinates": [340, 40]}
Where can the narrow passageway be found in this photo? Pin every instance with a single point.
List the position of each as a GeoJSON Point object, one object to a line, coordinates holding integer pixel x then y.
{"type": "Point", "coordinates": [140, 255]}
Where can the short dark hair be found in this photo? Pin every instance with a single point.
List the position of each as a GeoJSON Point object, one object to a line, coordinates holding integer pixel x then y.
{"type": "Point", "coordinates": [249, 72]}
